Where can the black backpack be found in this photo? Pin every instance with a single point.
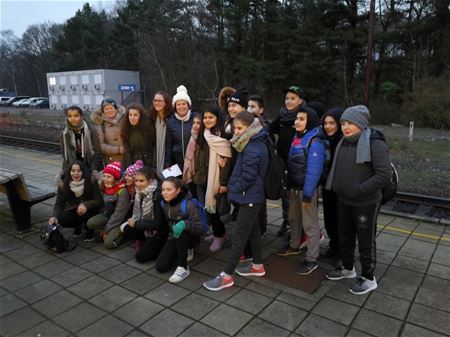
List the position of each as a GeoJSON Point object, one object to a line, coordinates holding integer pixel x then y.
{"type": "Point", "coordinates": [390, 189]}
{"type": "Point", "coordinates": [53, 237]}
{"type": "Point", "coordinates": [276, 176]}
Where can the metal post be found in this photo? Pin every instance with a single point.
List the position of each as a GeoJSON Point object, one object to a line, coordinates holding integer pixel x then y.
{"type": "Point", "coordinates": [369, 52]}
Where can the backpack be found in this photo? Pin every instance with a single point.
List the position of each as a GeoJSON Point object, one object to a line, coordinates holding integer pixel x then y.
{"type": "Point", "coordinates": [53, 237]}
{"type": "Point", "coordinates": [201, 211]}
{"type": "Point", "coordinates": [389, 190]}
{"type": "Point", "coordinates": [276, 175]}
{"type": "Point", "coordinates": [326, 163]}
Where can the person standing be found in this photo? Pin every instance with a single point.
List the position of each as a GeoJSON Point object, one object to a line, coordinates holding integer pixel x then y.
{"type": "Point", "coordinates": [360, 169]}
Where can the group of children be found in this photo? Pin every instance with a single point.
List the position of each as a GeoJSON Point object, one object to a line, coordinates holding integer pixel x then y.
{"type": "Point", "coordinates": [223, 156]}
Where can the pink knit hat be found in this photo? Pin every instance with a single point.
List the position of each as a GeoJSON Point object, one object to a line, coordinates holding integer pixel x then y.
{"type": "Point", "coordinates": [114, 169]}
{"type": "Point", "coordinates": [133, 168]}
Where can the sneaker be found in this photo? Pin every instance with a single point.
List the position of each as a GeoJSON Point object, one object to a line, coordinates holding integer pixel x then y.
{"type": "Point", "coordinates": [363, 286]}
{"type": "Point", "coordinates": [219, 282]}
{"type": "Point", "coordinates": [217, 244]}
{"type": "Point", "coordinates": [245, 258]}
{"type": "Point", "coordinates": [209, 238]}
{"type": "Point", "coordinates": [89, 236]}
{"type": "Point", "coordinates": [251, 270]}
{"type": "Point", "coordinates": [285, 229]}
{"type": "Point", "coordinates": [289, 252]}
{"type": "Point", "coordinates": [118, 240]}
{"type": "Point", "coordinates": [340, 272]}
{"type": "Point", "coordinates": [307, 267]}
{"type": "Point", "coordinates": [179, 275]}
{"type": "Point", "coordinates": [190, 255]}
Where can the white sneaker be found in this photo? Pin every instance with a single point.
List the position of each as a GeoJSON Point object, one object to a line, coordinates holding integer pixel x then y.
{"type": "Point", "coordinates": [190, 255]}
{"type": "Point", "coordinates": [340, 272]}
{"type": "Point", "coordinates": [179, 275]}
{"type": "Point", "coordinates": [363, 286]}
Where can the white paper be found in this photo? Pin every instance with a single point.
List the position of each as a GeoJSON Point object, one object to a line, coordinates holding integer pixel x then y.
{"type": "Point", "coordinates": [173, 171]}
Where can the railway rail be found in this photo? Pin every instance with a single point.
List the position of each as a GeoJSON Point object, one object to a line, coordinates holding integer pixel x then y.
{"type": "Point", "coordinates": [435, 209]}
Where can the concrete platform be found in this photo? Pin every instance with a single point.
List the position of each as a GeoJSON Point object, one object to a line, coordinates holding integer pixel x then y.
{"type": "Point", "coordinates": [95, 292]}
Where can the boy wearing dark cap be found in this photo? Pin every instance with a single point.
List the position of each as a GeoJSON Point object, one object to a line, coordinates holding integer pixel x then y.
{"type": "Point", "coordinates": [361, 167]}
{"type": "Point", "coordinates": [283, 126]}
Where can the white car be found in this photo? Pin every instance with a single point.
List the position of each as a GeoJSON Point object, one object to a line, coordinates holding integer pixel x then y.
{"type": "Point", "coordinates": [17, 103]}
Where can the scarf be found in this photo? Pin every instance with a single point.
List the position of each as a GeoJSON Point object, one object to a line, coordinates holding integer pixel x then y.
{"type": "Point", "coordinates": [218, 147]}
{"type": "Point", "coordinates": [240, 142]}
{"type": "Point", "coordinates": [113, 189]}
{"type": "Point", "coordinates": [144, 199]}
{"type": "Point", "coordinates": [160, 143]}
{"type": "Point", "coordinates": [185, 118]}
{"type": "Point", "coordinates": [286, 115]}
{"type": "Point", "coordinates": [69, 143]}
{"type": "Point", "coordinates": [77, 187]}
{"type": "Point", "coordinates": [189, 166]}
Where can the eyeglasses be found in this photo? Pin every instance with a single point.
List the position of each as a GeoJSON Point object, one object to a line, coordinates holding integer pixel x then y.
{"type": "Point", "coordinates": [158, 101]}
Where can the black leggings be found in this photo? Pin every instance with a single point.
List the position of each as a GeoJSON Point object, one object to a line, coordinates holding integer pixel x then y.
{"type": "Point", "coordinates": [217, 225]}
{"type": "Point", "coordinates": [70, 218]}
{"type": "Point", "coordinates": [175, 251]}
{"type": "Point", "coordinates": [151, 246]}
{"type": "Point", "coordinates": [330, 218]}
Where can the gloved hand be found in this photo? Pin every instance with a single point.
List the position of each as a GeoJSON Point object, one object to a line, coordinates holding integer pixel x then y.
{"type": "Point", "coordinates": [178, 228]}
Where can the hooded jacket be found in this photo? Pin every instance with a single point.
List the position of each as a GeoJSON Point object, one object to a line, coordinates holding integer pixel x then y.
{"type": "Point", "coordinates": [177, 138]}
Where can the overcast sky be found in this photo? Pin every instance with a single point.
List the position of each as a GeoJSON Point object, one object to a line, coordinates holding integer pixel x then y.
{"type": "Point", "coordinates": [17, 15]}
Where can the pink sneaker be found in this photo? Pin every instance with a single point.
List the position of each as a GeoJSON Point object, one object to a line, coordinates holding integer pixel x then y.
{"type": "Point", "coordinates": [209, 238]}
{"type": "Point", "coordinates": [217, 244]}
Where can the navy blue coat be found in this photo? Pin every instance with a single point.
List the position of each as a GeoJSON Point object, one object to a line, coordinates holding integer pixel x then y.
{"type": "Point", "coordinates": [178, 134]}
{"type": "Point", "coordinates": [246, 185]}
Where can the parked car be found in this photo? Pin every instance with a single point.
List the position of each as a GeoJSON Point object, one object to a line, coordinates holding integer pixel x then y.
{"type": "Point", "coordinates": [13, 100]}
{"type": "Point", "coordinates": [4, 99]}
{"type": "Point", "coordinates": [27, 103]}
{"type": "Point", "coordinates": [41, 103]}
{"type": "Point", "coordinates": [17, 104]}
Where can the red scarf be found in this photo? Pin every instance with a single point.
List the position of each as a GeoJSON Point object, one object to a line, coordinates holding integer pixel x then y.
{"type": "Point", "coordinates": [113, 189]}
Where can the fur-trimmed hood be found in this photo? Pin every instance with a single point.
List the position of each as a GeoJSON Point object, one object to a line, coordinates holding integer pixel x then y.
{"type": "Point", "coordinates": [98, 118]}
{"type": "Point", "coordinates": [224, 94]}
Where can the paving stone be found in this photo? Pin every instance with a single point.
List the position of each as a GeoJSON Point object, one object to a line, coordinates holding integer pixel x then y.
{"type": "Point", "coordinates": [441, 255]}
{"type": "Point", "coordinates": [260, 328]}
{"type": "Point", "coordinates": [340, 292]}
{"type": "Point", "coordinates": [36, 260]}
{"type": "Point", "coordinates": [45, 329]}
{"type": "Point", "coordinates": [296, 301]}
{"type": "Point", "coordinates": [195, 306]}
{"type": "Point", "coordinates": [138, 311]}
{"type": "Point", "coordinates": [434, 292]}
{"type": "Point", "coordinates": [101, 264]}
{"type": "Point", "coordinates": [194, 281]}
{"type": "Point", "coordinates": [112, 298]}
{"type": "Point", "coordinates": [410, 263]}
{"type": "Point", "coordinates": [137, 333]}
{"type": "Point", "coordinates": [389, 243]}
{"type": "Point", "coordinates": [357, 333]}
{"type": "Point", "coordinates": [10, 269]}
{"type": "Point", "coordinates": [415, 331]}
{"type": "Point", "coordinates": [4, 260]}
{"type": "Point", "coordinates": [263, 290]}
{"type": "Point", "coordinates": [159, 325]}
{"type": "Point", "coordinates": [430, 227]}
{"type": "Point", "coordinates": [249, 301]}
{"type": "Point", "coordinates": [14, 323]}
{"type": "Point", "coordinates": [201, 330]}
{"type": "Point", "coordinates": [3, 292]}
{"type": "Point", "coordinates": [53, 268]}
{"type": "Point", "coordinates": [388, 305]}
{"type": "Point", "coordinates": [106, 327]}
{"type": "Point", "coordinates": [79, 317]}
{"type": "Point", "coordinates": [90, 287]}
{"type": "Point", "coordinates": [38, 291]}
{"type": "Point", "coordinates": [400, 282]}
{"type": "Point", "coordinates": [211, 267]}
{"type": "Point", "coordinates": [141, 266]}
{"type": "Point", "coordinates": [235, 319]}
{"type": "Point", "coordinates": [7, 244]}
{"type": "Point", "coordinates": [418, 249]}
{"type": "Point", "coordinates": [119, 273]}
{"type": "Point", "coordinates": [22, 252]}
{"type": "Point", "coordinates": [377, 324]}
{"type": "Point", "coordinates": [82, 256]}
{"type": "Point", "coordinates": [220, 296]}
{"type": "Point", "coordinates": [55, 304]}
{"type": "Point", "coordinates": [283, 315]}
{"type": "Point", "coordinates": [142, 283]}
{"type": "Point", "coordinates": [10, 303]}
{"type": "Point", "coordinates": [20, 281]}
{"type": "Point", "coordinates": [166, 294]}
{"type": "Point", "coordinates": [71, 276]}
{"type": "Point", "coordinates": [124, 254]}
{"type": "Point", "coordinates": [336, 310]}
{"type": "Point", "coordinates": [439, 270]}
{"type": "Point", "coordinates": [385, 257]}
{"type": "Point", "coordinates": [315, 325]}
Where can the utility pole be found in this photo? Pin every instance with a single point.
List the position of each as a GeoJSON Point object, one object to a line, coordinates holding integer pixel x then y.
{"type": "Point", "coordinates": [369, 52]}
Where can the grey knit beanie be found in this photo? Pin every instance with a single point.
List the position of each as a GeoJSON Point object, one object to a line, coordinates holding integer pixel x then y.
{"type": "Point", "coordinates": [358, 115]}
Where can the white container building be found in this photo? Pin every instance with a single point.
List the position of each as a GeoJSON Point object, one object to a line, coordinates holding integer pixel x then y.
{"type": "Point", "coordinates": [87, 88]}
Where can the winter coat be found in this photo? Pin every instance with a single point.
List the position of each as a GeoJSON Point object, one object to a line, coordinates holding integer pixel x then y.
{"type": "Point", "coordinates": [139, 145]}
{"type": "Point", "coordinates": [306, 162]}
{"type": "Point", "coordinates": [66, 199]}
{"type": "Point", "coordinates": [173, 213]}
{"type": "Point", "coordinates": [109, 134]}
{"type": "Point", "coordinates": [178, 134]}
{"type": "Point", "coordinates": [201, 164]}
{"type": "Point", "coordinates": [246, 184]}
{"type": "Point", "coordinates": [361, 184]}
{"type": "Point", "coordinates": [116, 207]}
{"type": "Point", "coordinates": [283, 126]}
{"type": "Point", "coordinates": [156, 223]}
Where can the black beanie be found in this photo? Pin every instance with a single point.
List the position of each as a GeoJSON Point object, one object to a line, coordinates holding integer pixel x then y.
{"type": "Point", "coordinates": [240, 97]}
{"type": "Point", "coordinates": [335, 113]}
{"type": "Point", "coordinates": [108, 100]}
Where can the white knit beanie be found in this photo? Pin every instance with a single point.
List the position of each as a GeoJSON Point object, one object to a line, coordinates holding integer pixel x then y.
{"type": "Point", "coordinates": [181, 95]}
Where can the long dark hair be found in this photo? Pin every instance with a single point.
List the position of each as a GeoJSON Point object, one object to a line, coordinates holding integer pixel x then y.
{"type": "Point", "coordinates": [178, 184]}
{"type": "Point", "coordinates": [143, 124]}
{"type": "Point", "coordinates": [218, 129]}
{"type": "Point", "coordinates": [167, 109]}
{"type": "Point", "coordinates": [86, 174]}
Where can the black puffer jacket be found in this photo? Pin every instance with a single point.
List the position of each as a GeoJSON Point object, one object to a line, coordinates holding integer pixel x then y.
{"type": "Point", "coordinates": [178, 134]}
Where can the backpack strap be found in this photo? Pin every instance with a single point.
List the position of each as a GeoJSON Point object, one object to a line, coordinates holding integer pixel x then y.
{"type": "Point", "coordinates": [184, 207]}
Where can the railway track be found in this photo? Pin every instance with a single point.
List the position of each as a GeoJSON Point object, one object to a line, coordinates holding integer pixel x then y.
{"type": "Point", "coordinates": [412, 205]}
